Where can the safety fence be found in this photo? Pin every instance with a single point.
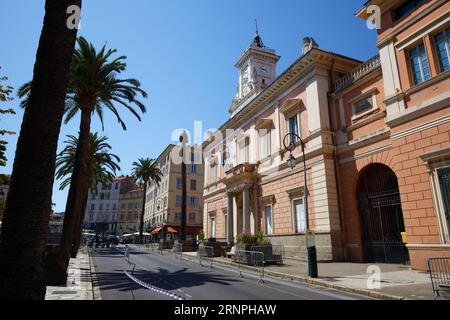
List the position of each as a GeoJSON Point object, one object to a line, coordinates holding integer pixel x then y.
{"type": "Point", "coordinates": [153, 247]}
{"type": "Point", "coordinates": [177, 250]}
{"type": "Point", "coordinates": [206, 256]}
{"type": "Point", "coordinates": [439, 270]}
{"type": "Point", "coordinates": [127, 257]}
{"type": "Point", "coordinates": [272, 254]}
{"type": "Point", "coordinates": [127, 253]}
{"type": "Point", "coordinates": [250, 258]}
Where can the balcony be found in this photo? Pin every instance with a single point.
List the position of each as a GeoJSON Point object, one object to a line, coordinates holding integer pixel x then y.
{"type": "Point", "coordinates": [243, 173]}
{"type": "Point", "coordinates": [358, 73]}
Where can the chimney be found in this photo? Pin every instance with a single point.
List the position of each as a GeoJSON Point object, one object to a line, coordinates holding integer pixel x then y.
{"type": "Point", "coordinates": [308, 44]}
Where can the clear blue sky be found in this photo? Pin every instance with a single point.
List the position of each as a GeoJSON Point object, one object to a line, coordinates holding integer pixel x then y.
{"type": "Point", "coordinates": [183, 52]}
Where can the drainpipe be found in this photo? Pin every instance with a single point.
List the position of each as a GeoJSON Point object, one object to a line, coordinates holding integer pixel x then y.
{"type": "Point", "coordinates": [338, 193]}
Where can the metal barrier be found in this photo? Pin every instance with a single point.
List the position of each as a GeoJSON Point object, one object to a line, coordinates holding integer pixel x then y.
{"type": "Point", "coordinates": [250, 258]}
{"type": "Point", "coordinates": [206, 254]}
{"type": "Point", "coordinates": [152, 246]}
{"type": "Point", "coordinates": [272, 254]}
{"type": "Point", "coordinates": [127, 257]}
{"type": "Point", "coordinates": [177, 250]}
{"type": "Point", "coordinates": [127, 253]}
{"type": "Point", "coordinates": [439, 270]}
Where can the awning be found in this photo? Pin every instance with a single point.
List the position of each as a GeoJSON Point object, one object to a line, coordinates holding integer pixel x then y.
{"type": "Point", "coordinates": [171, 230]}
{"type": "Point", "coordinates": [190, 230]}
{"type": "Point", "coordinates": [157, 230]}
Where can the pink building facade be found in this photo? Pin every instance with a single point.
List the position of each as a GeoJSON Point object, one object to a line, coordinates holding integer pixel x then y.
{"type": "Point", "coordinates": [376, 139]}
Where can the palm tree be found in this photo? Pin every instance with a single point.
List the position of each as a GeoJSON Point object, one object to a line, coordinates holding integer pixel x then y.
{"type": "Point", "coordinates": [93, 87]}
{"type": "Point", "coordinates": [145, 171]}
{"type": "Point", "coordinates": [102, 168]}
{"type": "Point", "coordinates": [25, 222]}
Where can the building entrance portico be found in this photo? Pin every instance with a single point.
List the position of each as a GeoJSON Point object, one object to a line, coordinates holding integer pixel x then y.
{"type": "Point", "coordinates": [242, 205]}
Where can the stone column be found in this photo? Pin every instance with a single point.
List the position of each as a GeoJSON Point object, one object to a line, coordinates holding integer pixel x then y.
{"type": "Point", "coordinates": [255, 210]}
{"type": "Point", "coordinates": [230, 218]}
{"type": "Point", "coordinates": [246, 209]}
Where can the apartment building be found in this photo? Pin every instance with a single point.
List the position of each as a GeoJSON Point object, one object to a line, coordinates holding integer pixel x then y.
{"type": "Point", "coordinates": [391, 122]}
{"type": "Point", "coordinates": [130, 209]}
{"type": "Point", "coordinates": [377, 145]}
{"type": "Point", "coordinates": [102, 208]}
{"type": "Point", "coordinates": [163, 202]}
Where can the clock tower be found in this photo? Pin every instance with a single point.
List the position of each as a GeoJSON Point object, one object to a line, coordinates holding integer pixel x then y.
{"type": "Point", "coordinates": [257, 70]}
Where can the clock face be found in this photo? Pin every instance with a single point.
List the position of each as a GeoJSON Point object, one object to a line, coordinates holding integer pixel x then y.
{"type": "Point", "coordinates": [263, 68]}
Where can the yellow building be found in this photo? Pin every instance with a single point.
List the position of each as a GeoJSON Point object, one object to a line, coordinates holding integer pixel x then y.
{"type": "Point", "coordinates": [163, 202]}
{"type": "Point", "coordinates": [130, 205]}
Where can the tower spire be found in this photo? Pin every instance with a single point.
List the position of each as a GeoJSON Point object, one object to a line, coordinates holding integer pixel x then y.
{"type": "Point", "coordinates": [258, 41]}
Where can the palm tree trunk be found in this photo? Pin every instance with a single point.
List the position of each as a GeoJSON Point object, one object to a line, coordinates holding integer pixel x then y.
{"type": "Point", "coordinates": [75, 199]}
{"type": "Point", "coordinates": [141, 222]}
{"type": "Point", "coordinates": [78, 227]}
{"type": "Point", "coordinates": [25, 223]}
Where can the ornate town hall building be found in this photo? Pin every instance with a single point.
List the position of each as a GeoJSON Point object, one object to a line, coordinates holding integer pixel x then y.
{"type": "Point", "coordinates": [377, 145]}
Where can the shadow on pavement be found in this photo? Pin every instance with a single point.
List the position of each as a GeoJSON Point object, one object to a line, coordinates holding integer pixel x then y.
{"type": "Point", "coordinates": [162, 278]}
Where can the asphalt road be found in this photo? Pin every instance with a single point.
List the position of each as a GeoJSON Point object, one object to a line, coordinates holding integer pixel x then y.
{"type": "Point", "coordinates": [192, 281]}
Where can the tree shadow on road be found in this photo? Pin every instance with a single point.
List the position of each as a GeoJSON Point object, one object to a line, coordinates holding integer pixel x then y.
{"type": "Point", "coordinates": [159, 277]}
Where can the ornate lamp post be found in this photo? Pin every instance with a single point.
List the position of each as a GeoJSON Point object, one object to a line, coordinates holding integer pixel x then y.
{"type": "Point", "coordinates": [290, 142]}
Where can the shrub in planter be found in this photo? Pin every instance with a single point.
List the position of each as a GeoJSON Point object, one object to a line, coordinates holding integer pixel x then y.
{"type": "Point", "coordinates": [247, 242]}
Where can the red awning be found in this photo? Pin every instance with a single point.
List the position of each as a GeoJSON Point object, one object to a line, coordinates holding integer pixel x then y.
{"type": "Point", "coordinates": [190, 230]}
{"type": "Point", "coordinates": [171, 230]}
{"type": "Point", "coordinates": [157, 230]}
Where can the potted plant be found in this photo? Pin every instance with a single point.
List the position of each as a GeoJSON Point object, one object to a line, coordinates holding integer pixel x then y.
{"type": "Point", "coordinates": [247, 242]}
{"type": "Point", "coordinates": [201, 237]}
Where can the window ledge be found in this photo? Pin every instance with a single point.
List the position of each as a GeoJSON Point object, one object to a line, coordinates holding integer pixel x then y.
{"type": "Point", "coordinates": [427, 83]}
{"type": "Point", "coordinates": [365, 118]}
{"type": "Point", "coordinates": [436, 155]}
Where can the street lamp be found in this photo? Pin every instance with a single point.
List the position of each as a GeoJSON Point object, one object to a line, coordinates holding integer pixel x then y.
{"type": "Point", "coordinates": [290, 142]}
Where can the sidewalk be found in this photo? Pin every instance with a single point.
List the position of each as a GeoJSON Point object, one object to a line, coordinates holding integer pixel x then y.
{"type": "Point", "coordinates": [397, 282]}
{"type": "Point", "coordinates": [79, 281]}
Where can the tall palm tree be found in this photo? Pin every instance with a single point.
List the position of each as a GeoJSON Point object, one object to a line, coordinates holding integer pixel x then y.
{"type": "Point", "coordinates": [102, 168]}
{"type": "Point", "coordinates": [25, 223]}
{"type": "Point", "coordinates": [93, 87]}
{"type": "Point", "coordinates": [145, 171]}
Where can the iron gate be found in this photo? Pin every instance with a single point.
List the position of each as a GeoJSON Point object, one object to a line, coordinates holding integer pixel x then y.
{"type": "Point", "coordinates": [382, 217]}
{"type": "Point", "coordinates": [444, 181]}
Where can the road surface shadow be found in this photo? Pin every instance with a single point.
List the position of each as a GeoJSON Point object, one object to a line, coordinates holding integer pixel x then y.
{"type": "Point", "coordinates": [162, 278]}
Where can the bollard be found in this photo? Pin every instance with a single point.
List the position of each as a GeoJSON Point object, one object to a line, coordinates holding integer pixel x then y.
{"type": "Point", "coordinates": [312, 262]}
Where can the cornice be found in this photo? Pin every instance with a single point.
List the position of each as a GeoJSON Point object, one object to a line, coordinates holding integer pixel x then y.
{"type": "Point", "coordinates": [299, 68]}
{"type": "Point", "coordinates": [408, 23]}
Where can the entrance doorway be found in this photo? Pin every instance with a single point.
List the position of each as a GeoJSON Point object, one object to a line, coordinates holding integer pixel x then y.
{"type": "Point", "coordinates": [382, 216]}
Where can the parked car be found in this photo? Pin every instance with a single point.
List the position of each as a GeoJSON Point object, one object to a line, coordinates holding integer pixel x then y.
{"type": "Point", "coordinates": [112, 239]}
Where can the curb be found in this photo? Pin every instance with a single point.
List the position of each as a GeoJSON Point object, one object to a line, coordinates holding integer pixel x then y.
{"type": "Point", "coordinates": [95, 291]}
{"type": "Point", "coordinates": [321, 283]}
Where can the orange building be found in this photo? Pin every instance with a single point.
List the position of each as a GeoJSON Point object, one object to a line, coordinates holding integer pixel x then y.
{"type": "Point", "coordinates": [391, 122]}
{"type": "Point", "coordinates": [377, 145]}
